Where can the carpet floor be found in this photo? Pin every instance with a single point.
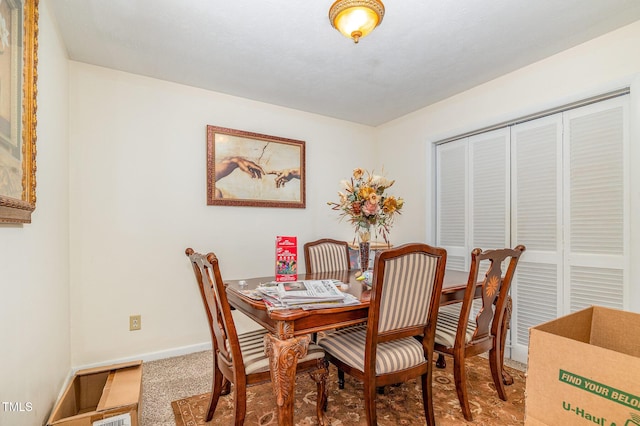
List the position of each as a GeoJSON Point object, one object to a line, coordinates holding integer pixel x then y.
{"type": "Point", "coordinates": [175, 393]}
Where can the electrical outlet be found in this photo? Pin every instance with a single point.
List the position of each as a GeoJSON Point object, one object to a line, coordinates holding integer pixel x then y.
{"type": "Point", "coordinates": [135, 322]}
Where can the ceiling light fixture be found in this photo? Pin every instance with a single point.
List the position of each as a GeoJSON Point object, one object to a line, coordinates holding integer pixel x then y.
{"type": "Point", "coordinates": [356, 18]}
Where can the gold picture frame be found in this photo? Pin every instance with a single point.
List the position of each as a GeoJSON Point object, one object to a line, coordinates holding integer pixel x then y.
{"type": "Point", "coordinates": [18, 91]}
{"type": "Point", "coordinates": [251, 169]}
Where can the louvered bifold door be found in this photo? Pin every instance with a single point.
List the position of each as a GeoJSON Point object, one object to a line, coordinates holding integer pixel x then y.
{"type": "Point", "coordinates": [451, 202]}
{"type": "Point", "coordinates": [595, 206]}
{"type": "Point", "coordinates": [536, 153]}
{"type": "Point", "coordinates": [489, 191]}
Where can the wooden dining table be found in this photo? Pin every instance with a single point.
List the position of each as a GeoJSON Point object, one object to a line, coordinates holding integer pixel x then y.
{"type": "Point", "coordinates": [290, 328]}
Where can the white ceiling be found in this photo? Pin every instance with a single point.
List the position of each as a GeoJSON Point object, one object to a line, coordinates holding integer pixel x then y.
{"type": "Point", "coordinates": [286, 53]}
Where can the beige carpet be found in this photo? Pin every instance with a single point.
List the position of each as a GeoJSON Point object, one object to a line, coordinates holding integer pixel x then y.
{"type": "Point", "coordinates": [401, 405]}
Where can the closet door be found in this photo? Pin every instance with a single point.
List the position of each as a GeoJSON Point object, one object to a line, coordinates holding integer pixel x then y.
{"type": "Point", "coordinates": [536, 185]}
{"type": "Point", "coordinates": [489, 184]}
{"type": "Point", "coordinates": [562, 182]}
{"type": "Point", "coordinates": [473, 196]}
{"type": "Point", "coordinates": [596, 215]}
{"type": "Point", "coordinates": [489, 212]}
{"type": "Point", "coordinates": [451, 202]}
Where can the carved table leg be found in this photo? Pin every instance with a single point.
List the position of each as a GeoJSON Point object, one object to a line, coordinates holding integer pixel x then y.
{"type": "Point", "coordinates": [283, 358]}
{"type": "Point", "coordinates": [320, 377]}
{"type": "Point", "coordinates": [506, 377]}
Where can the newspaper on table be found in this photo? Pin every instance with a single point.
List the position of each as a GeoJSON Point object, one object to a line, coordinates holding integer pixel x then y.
{"type": "Point", "coordinates": [312, 290]}
{"type": "Point", "coordinates": [349, 299]}
{"type": "Point", "coordinates": [307, 294]}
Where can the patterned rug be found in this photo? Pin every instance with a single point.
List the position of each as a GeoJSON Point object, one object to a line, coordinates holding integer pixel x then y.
{"type": "Point", "coordinates": [400, 405]}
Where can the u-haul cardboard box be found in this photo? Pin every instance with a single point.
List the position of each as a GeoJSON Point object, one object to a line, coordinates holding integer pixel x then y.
{"type": "Point", "coordinates": [101, 396]}
{"type": "Point", "coordinates": [584, 369]}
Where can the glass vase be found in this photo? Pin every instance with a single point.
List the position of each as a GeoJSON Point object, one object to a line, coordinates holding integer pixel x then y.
{"type": "Point", "coordinates": [363, 248]}
{"type": "Point", "coordinates": [364, 238]}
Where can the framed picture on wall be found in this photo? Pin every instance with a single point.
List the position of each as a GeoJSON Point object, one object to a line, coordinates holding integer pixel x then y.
{"type": "Point", "coordinates": [18, 60]}
{"type": "Point", "coordinates": [251, 169]}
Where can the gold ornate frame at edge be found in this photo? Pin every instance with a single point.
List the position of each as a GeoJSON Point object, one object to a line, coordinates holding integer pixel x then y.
{"type": "Point", "coordinates": [13, 210]}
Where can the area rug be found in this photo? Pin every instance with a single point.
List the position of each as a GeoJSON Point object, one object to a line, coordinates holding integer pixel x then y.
{"type": "Point", "coordinates": [400, 404]}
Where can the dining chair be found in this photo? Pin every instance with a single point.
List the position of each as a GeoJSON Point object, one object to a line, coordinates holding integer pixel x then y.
{"type": "Point", "coordinates": [405, 296]}
{"type": "Point", "coordinates": [240, 359]}
{"type": "Point", "coordinates": [326, 255]}
{"type": "Point", "coordinates": [461, 337]}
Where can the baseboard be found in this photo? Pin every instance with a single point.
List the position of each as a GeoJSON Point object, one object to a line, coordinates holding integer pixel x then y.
{"type": "Point", "coordinates": [243, 323]}
{"type": "Point", "coordinates": [151, 356]}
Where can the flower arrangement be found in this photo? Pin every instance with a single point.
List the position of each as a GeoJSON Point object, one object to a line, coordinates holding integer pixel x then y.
{"type": "Point", "coordinates": [365, 204]}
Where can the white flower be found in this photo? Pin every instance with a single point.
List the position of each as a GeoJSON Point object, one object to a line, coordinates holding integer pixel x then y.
{"type": "Point", "coordinates": [381, 181]}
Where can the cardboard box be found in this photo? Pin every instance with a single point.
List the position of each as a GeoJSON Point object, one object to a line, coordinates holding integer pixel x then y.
{"type": "Point", "coordinates": [102, 396]}
{"type": "Point", "coordinates": [584, 369]}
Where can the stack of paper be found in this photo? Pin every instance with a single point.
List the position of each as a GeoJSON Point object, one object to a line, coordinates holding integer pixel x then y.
{"type": "Point", "coordinates": [307, 294]}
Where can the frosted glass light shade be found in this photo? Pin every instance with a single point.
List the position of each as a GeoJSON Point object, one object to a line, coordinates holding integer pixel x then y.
{"type": "Point", "coordinates": [356, 18]}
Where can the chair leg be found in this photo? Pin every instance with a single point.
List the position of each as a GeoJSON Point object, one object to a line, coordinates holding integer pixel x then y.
{"type": "Point", "coordinates": [460, 377]}
{"type": "Point", "coordinates": [370, 402]}
{"type": "Point", "coordinates": [226, 386]}
{"type": "Point", "coordinates": [340, 379]}
{"type": "Point", "coordinates": [240, 403]}
{"type": "Point", "coordinates": [217, 388]}
{"type": "Point", "coordinates": [441, 363]}
{"type": "Point", "coordinates": [495, 363]}
{"type": "Point", "coordinates": [506, 377]}
{"type": "Point", "coordinates": [427, 397]}
{"type": "Point", "coordinates": [496, 355]}
{"type": "Point", "coordinates": [320, 377]}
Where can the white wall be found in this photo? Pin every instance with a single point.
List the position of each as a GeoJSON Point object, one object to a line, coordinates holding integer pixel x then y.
{"type": "Point", "coordinates": [34, 258]}
{"type": "Point", "coordinates": [598, 66]}
{"type": "Point", "coordinates": [138, 200]}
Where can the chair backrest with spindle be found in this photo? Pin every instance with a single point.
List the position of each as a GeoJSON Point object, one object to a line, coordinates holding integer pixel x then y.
{"type": "Point", "coordinates": [495, 290]}
{"type": "Point", "coordinates": [214, 297]}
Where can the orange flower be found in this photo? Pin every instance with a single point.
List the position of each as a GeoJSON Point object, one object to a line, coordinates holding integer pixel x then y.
{"type": "Point", "coordinates": [365, 192]}
{"type": "Point", "coordinates": [390, 205]}
{"type": "Point", "coordinates": [357, 173]}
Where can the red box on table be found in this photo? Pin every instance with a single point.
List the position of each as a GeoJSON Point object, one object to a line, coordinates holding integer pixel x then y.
{"type": "Point", "coordinates": [286, 258]}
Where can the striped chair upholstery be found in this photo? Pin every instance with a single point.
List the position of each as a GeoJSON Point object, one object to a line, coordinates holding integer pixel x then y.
{"type": "Point", "coordinates": [447, 328]}
{"type": "Point", "coordinates": [404, 302]}
{"type": "Point", "coordinates": [349, 344]}
{"type": "Point", "coordinates": [407, 293]}
{"type": "Point", "coordinates": [240, 358]}
{"type": "Point", "coordinates": [326, 255]}
{"type": "Point", "coordinates": [253, 356]}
